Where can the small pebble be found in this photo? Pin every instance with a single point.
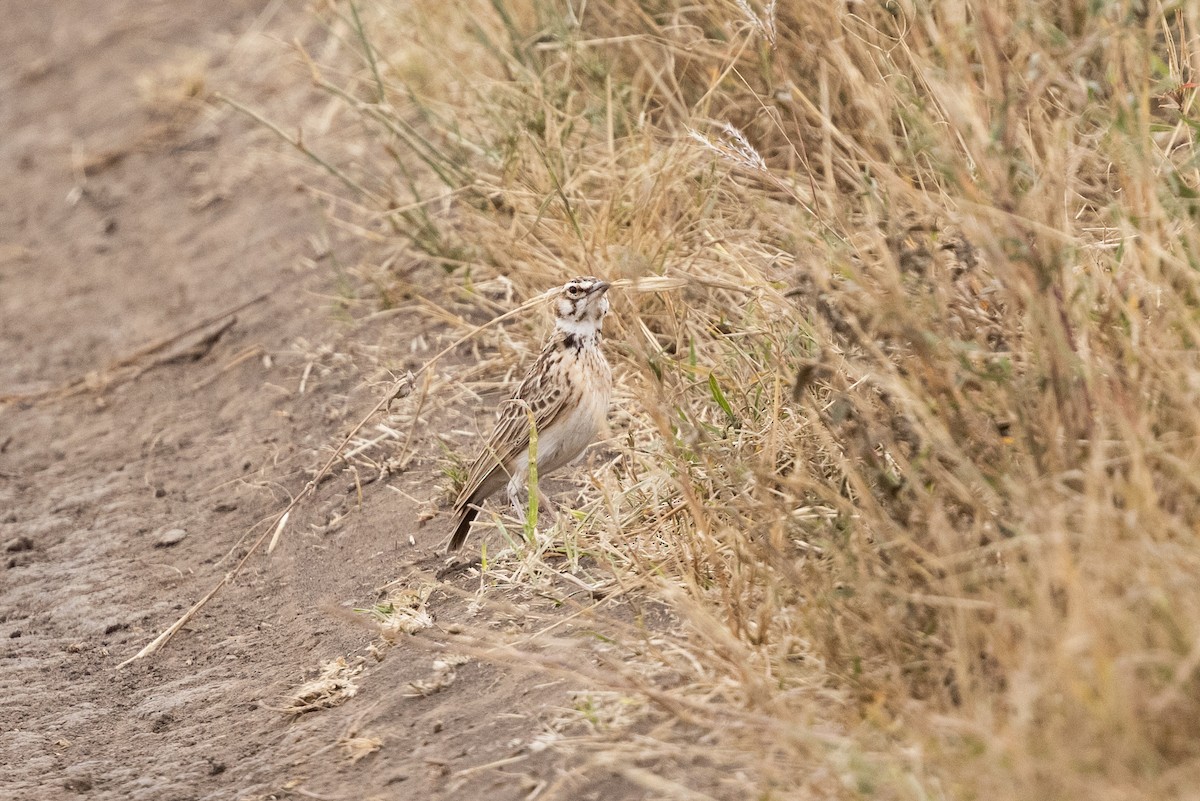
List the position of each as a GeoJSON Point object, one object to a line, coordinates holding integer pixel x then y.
{"type": "Point", "coordinates": [79, 784]}
{"type": "Point", "coordinates": [170, 537]}
{"type": "Point", "coordinates": [18, 544]}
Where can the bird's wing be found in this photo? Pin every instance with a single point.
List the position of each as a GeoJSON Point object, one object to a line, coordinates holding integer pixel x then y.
{"type": "Point", "coordinates": [542, 393]}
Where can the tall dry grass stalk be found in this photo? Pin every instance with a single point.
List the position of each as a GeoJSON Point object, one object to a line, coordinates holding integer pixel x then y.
{"type": "Point", "coordinates": [916, 452]}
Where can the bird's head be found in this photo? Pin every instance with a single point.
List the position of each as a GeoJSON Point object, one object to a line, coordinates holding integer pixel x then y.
{"type": "Point", "coordinates": [581, 305]}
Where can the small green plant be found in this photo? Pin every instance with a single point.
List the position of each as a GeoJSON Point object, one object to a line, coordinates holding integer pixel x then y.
{"type": "Point", "coordinates": [531, 514]}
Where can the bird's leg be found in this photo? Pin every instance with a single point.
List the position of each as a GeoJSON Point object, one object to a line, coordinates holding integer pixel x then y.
{"type": "Point", "coordinates": [515, 485]}
{"type": "Point", "coordinates": [547, 505]}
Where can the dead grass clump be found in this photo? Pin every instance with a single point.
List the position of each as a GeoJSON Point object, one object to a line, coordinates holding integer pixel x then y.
{"type": "Point", "coordinates": [359, 746]}
{"type": "Point", "coordinates": [405, 610]}
{"type": "Point", "coordinates": [441, 677]}
{"type": "Point", "coordinates": [912, 451]}
{"type": "Point", "coordinates": [333, 686]}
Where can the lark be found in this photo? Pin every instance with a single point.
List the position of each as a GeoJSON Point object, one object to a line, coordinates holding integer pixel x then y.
{"type": "Point", "coordinates": [566, 391]}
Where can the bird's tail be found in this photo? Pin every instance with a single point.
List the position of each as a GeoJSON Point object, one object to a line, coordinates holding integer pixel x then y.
{"type": "Point", "coordinates": [463, 527]}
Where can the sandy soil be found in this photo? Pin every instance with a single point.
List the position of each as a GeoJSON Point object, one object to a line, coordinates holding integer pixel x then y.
{"type": "Point", "coordinates": [131, 214]}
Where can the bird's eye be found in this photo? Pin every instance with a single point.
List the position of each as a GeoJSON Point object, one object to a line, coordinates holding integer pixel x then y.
{"type": "Point", "coordinates": [574, 291]}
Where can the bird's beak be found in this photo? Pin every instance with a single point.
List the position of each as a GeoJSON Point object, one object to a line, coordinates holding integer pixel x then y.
{"type": "Point", "coordinates": [600, 288]}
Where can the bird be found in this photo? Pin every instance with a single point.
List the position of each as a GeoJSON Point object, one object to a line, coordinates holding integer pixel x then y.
{"type": "Point", "coordinates": [566, 391]}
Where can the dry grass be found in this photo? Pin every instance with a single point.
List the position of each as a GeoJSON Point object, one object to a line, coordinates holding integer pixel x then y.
{"type": "Point", "coordinates": [333, 686]}
{"type": "Point", "coordinates": [913, 452]}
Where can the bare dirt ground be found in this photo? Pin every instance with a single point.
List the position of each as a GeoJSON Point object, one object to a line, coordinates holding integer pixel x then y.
{"type": "Point", "coordinates": [132, 212]}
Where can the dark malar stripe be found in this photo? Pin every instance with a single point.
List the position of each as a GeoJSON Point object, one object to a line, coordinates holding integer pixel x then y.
{"type": "Point", "coordinates": [579, 342]}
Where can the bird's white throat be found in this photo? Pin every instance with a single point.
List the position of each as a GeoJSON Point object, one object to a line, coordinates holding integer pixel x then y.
{"type": "Point", "coordinates": [580, 328]}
